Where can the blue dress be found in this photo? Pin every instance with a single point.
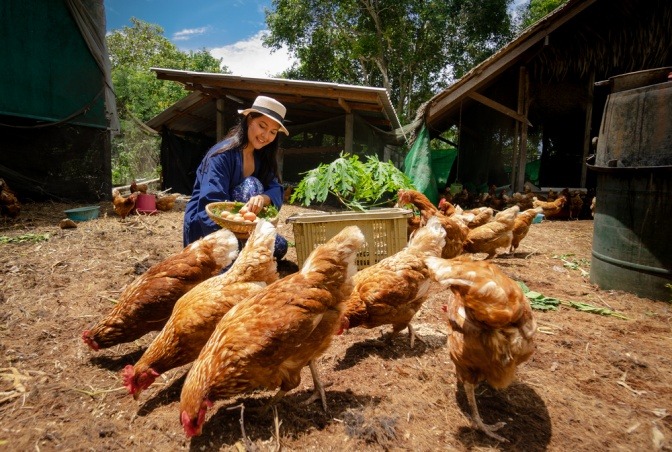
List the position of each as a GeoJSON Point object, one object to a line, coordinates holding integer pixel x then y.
{"type": "Point", "coordinates": [219, 177]}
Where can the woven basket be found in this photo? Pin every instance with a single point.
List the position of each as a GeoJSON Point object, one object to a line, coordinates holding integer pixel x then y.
{"type": "Point", "coordinates": [240, 230]}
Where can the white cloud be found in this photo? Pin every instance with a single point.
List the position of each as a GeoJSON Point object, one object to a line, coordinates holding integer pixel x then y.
{"type": "Point", "coordinates": [249, 58]}
{"type": "Point", "coordinates": [188, 33]}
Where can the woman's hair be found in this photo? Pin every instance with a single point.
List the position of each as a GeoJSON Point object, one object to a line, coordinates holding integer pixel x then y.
{"type": "Point", "coordinates": [237, 138]}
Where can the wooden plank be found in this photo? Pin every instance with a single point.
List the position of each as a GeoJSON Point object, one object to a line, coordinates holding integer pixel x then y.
{"type": "Point", "coordinates": [499, 107]}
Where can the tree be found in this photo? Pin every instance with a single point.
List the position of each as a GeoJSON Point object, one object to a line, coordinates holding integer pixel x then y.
{"type": "Point", "coordinates": [412, 48]}
{"type": "Point", "coordinates": [141, 96]}
{"type": "Point", "coordinates": [398, 45]}
{"type": "Point", "coordinates": [535, 10]}
{"type": "Point", "coordinates": [133, 51]}
{"type": "Point", "coordinates": [477, 30]}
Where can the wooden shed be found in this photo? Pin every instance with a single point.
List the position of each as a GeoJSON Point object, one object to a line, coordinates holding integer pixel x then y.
{"type": "Point", "coordinates": [533, 109]}
{"type": "Point", "coordinates": [323, 119]}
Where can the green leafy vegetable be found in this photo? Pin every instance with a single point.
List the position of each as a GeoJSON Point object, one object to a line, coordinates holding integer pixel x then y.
{"type": "Point", "coordinates": [541, 302]}
{"type": "Point", "coordinates": [34, 238]}
{"type": "Point", "coordinates": [357, 185]}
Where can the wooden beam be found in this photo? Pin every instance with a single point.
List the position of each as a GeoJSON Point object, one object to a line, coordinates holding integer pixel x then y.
{"type": "Point", "coordinates": [349, 132]}
{"type": "Point", "coordinates": [344, 105]}
{"type": "Point", "coordinates": [586, 131]}
{"type": "Point", "coordinates": [523, 105]}
{"type": "Point", "coordinates": [499, 107]}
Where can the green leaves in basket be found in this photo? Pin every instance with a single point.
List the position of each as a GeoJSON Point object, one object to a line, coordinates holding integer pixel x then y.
{"type": "Point", "coordinates": [357, 185]}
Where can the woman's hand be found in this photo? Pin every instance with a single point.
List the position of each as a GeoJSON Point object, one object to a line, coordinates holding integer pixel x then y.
{"type": "Point", "coordinates": [256, 203]}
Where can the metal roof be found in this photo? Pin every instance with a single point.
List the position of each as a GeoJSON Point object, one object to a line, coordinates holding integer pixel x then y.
{"type": "Point", "coordinates": [306, 101]}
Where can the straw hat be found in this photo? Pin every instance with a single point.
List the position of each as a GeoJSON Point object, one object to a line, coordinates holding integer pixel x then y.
{"type": "Point", "coordinates": [270, 108]}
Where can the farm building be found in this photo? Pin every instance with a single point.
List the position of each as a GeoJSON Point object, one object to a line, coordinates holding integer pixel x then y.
{"type": "Point", "coordinates": [323, 120]}
{"type": "Point", "coordinates": [57, 108]}
{"type": "Point", "coordinates": [532, 110]}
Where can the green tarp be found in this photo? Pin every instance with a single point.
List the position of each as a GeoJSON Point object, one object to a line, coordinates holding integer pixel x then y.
{"type": "Point", "coordinates": [429, 168]}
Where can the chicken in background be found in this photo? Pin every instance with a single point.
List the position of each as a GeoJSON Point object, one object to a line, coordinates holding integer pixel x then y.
{"type": "Point", "coordinates": [9, 203]}
{"type": "Point", "coordinates": [521, 226]}
{"type": "Point", "coordinates": [575, 205]}
{"type": "Point", "coordinates": [166, 202]}
{"type": "Point", "coordinates": [136, 187]}
{"type": "Point", "coordinates": [146, 304]}
{"type": "Point", "coordinates": [491, 327]}
{"type": "Point", "coordinates": [265, 340]}
{"type": "Point", "coordinates": [197, 312]}
{"type": "Point", "coordinates": [463, 199]}
{"type": "Point", "coordinates": [445, 207]}
{"type": "Point", "coordinates": [493, 235]}
{"type": "Point", "coordinates": [123, 205]}
{"type": "Point", "coordinates": [478, 216]}
{"type": "Point", "coordinates": [550, 209]}
{"type": "Point", "coordinates": [455, 227]}
{"type": "Point", "coordinates": [393, 290]}
{"type": "Point", "coordinates": [522, 200]}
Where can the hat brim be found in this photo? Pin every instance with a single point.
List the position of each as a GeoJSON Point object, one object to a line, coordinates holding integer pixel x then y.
{"type": "Point", "coordinates": [268, 115]}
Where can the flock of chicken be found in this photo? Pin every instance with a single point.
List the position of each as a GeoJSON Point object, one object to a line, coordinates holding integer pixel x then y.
{"type": "Point", "coordinates": [125, 205]}
{"type": "Point", "coordinates": [246, 328]}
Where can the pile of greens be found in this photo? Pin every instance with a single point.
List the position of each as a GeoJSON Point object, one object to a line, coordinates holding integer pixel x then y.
{"type": "Point", "coordinates": [355, 184]}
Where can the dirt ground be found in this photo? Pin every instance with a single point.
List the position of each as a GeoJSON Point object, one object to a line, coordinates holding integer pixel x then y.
{"type": "Point", "coordinates": [595, 382]}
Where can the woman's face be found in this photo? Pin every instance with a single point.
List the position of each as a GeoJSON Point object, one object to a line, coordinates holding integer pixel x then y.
{"type": "Point", "coordinates": [261, 130]}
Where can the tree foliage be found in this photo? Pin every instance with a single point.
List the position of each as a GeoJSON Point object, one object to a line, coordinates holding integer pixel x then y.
{"type": "Point", "coordinates": [141, 96]}
{"type": "Point", "coordinates": [536, 9]}
{"type": "Point", "coordinates": [412, 48]}
{"type": "Point", "coordinates": [133, 51]}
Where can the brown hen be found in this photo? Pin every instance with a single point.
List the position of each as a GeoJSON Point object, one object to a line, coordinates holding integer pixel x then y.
{"type": "Point", "coordinates": [391, 291]}
{"type": "Point", "coordinates": [455, 227]}
{"type": "Point", "coordinates": [550, 208]}
{"type": "Point", "coordinates": [9, 203]}
{"type": "Point", "coordinates": [123, 205]}
{"type": "Point", "coordinates": [145, 305]}
{"type": "Point", "coordinates": [491, 327]}
{"type": "Point", "coordinates": [493, 235]}
{"type": "Point", "coordinates": [265, 340]}
{"type": "Point", "coordinates": [521, 226]}
{"type": "Point", "coordinates": [166, 203]}
{"type": "Point", "coordinates": [197, 312]}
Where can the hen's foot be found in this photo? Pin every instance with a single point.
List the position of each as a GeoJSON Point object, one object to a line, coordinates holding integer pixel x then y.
{"type": "Point", "coordinates": [490, 429]}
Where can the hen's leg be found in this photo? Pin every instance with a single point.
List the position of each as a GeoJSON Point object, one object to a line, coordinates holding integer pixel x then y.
{"type": "Point", "coordinates": [476, 420]}
{"type": "Point", "coordinates": [319, 387]}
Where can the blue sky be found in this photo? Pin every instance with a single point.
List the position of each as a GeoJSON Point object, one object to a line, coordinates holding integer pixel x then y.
{"type": "Point", "coordinates": [229, 29]}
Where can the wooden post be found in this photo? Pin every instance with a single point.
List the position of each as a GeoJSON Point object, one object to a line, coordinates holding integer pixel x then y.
{"type": "Point", "coordinates": [523, 101]}
{"type": "Point", "coordinates": [586, 132]}
{"type": "Point", "coordinates": [349, 132]}
{"type": "Point", "coordinates": [221, 121]}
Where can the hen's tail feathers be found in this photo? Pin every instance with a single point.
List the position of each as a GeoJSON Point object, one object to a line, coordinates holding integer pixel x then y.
{"type": "Point", "coordinates": [225, 246]}
{"type": "Point", "coordinates": [340, 250]}
{"type": "Point", "coordinates": [429, 238]}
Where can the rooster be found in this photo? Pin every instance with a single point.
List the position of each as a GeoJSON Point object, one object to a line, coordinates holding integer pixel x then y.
{"type": "Point", "coordinates": [392, 291]}
{"type": "Point", "coordinates": [265, 340]}
{"type": "Point", "coordinates": [493, 235]}
{"type": "Point", "coordinates": [491, 327]}
{"type": "Point", "coordinates": [455, 227]}
{"type": "Point", "coordinates": [521, 226]}
{"type": "Point", "coordinates": [123, 205]}
{"type": "Point", "coordinates": [145, 305]}
{"type": "Point", "coordinates": [196, 313]}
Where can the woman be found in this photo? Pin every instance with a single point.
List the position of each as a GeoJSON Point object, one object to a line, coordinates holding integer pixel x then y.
{"type": "Point", "coordinates": [242, 167]}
